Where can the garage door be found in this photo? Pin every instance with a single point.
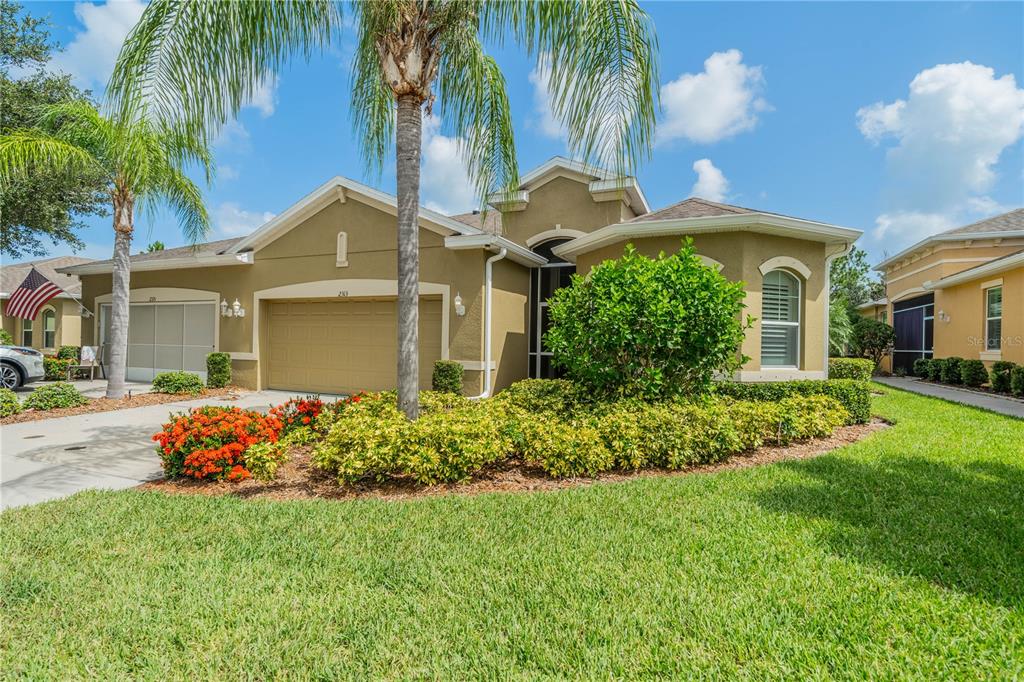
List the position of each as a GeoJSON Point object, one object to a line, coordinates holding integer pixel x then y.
{"type": "Point", "coordinates": [345, 346]}
{"type": "Point", "coordinates": [163, 337]}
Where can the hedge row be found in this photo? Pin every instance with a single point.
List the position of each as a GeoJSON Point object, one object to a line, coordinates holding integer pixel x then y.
{"type": "Point", "coordinates": [850, 368]}
{"type": "Point", "coordinates": [853, 395]}
{"type": "Point", "coordinates": [559, 433]}
{"type": "Point", "coordinates": [956, 370]}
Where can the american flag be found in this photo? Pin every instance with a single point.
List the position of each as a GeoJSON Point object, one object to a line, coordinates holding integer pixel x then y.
{"type": "Point", "coordinates": [30, 296]}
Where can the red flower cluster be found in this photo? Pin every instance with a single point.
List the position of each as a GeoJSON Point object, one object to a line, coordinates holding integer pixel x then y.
{"type": "Point", "coordinates": [210, 442]}
{"type": "Point", "coordinates": [298, 412]}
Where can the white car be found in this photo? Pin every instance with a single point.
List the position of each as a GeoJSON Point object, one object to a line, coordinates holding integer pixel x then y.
{"type": "Point", "coordinates": [20, 366]}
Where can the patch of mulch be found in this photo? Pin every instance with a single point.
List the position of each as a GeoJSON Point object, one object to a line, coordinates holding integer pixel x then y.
{"type": "Point", "coordinates": [108, 404]}
{"type": "Point", "coordinates": [297, 480]}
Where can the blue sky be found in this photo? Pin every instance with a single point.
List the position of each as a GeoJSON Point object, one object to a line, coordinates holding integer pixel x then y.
{"type": "Point", "coordinates": [900, 119]}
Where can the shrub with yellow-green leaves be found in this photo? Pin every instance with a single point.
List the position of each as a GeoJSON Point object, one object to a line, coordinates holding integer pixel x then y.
{"type": "Point", "coordinates": [444, 446]}
{"type": "Point", "coordinates": [363, 440]}
{"type": "Point", "coordinates": [565, 448]}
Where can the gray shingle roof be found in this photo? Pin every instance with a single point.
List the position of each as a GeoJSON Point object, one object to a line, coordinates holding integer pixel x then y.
{"type": "Point", "coordinates": [11, 276]}
{"type": "Point", "coordinates": [219, 246]}
{"type": "Point", "coordinates": [1007, 222]}
{"type": "Point", "coordinates": [694, 207]}
{"type": "Point", "coordinates": [491, 224]}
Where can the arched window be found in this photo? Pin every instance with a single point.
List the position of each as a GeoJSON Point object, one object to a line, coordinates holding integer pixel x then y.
{"type": "Point", "coordinates": [49, 328]}
{"type": "Point", "coordinates": [780, 320]}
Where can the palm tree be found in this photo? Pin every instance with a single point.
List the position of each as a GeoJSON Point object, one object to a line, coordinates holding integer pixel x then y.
{"type": "Point", "coordinates": [142, 164]}
{"type": "Point", "coordinates": [199, 62]}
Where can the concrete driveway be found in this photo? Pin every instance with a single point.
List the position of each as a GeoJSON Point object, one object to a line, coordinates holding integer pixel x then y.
{"type": "Point", "coordinates": [53, 458]}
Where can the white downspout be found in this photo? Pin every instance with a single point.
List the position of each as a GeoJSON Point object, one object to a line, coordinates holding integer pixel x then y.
{"type": "Point", "coordinates": [488, 270]}
{"type": "Point", "coordinates": [847, 248]}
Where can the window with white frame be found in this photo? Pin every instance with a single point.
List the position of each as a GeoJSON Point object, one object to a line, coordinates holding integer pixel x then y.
{"type": "Point", "coordinates": [26, 333]}
{"type": "Point", "coordinates": [780, 320]}
{"type": "Point", "coordinates": [993, 318]}
{"type": "Point", "coordinates": [49, 328]}
{"type": "Point", "coordinates": [342, 260]}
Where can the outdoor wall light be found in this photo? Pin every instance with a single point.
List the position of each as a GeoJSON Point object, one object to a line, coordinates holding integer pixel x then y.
{"type": "Point", "coordinates": [460, 309]}
{"type": "Point", "coordinates": [234, 310]}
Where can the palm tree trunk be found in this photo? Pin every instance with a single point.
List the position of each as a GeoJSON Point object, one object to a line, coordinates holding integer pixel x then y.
{"type": "Point", "coordinates": [118, 360]}
{"type": "Point", "coordinates": [408, 132]}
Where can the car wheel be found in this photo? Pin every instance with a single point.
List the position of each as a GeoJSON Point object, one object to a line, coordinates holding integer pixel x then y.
{"type": "Point", "coordinates": [9, 377]}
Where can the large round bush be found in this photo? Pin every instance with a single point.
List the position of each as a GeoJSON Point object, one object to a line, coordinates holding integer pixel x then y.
{"type": "Point", "coordinates": [648, 328]}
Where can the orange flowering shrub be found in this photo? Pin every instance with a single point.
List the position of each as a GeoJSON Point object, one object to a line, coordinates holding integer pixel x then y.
{"type": "Point", "coordinates": [298, 412]}
{"type": "Point", "coordinates": [210, 442]}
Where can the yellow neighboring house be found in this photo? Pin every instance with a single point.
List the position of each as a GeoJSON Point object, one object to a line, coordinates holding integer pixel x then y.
{"type": "Point", "coordinates": [59, 322]}
{"type": "Point", "coordinates": [307, 301]}
{"type": "Point", "coordinates": [957, 293]}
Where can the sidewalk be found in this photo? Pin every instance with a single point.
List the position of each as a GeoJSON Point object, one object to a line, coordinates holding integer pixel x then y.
{"type": "Point", "coordinates": [1003, 405]}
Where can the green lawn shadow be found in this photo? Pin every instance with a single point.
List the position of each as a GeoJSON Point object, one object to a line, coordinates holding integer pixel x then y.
{"type": "Point", "coordinates": [961, 528]}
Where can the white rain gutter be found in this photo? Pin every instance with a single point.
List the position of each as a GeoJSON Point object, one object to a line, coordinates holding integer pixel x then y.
{"type": "Point", "coordinates": [847, 248]}
{"type": "Point", "coordinates": [488, 277]}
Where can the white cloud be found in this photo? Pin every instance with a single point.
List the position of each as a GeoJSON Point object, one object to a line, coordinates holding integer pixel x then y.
{"type": "Point", "coordinates": [444, 182]}
{"type": "Point", "coordinates": [91, 54]}
{"type": "Point", "coordinates": [233, 136]}
{"type": "Point", "coordinates": [264, 98]}
{"type": "Point", "coordinates": [227, 172]}
{"type": "Point", "coordinates": [544, 116]}
{"type": "Point", "coordinates": [232, 220]}
{"type": "Point", "coordinates": [949, 134]}
{"type": "Point", "coordinates": [718, 103]}
{"type": "Point", "coordinates": [711, 183]}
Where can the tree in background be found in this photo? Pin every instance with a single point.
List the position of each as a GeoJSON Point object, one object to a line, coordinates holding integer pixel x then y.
{"type": "Point", "coordinates": [199, 62]}
{"type": "Point", "coordinates": [853, 281]}
{"type": "Point", "coordinates": [141, 164]}
{"type": "Point", "coordinates": [46, 207]}
{"type": "Point", "coordinates": [872, 339]}
{"type": "Point", "coordinates": [154, 246]}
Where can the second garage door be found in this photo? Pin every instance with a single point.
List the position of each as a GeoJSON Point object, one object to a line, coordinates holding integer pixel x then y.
{"type": "Point", "coordinates": [345, 346]}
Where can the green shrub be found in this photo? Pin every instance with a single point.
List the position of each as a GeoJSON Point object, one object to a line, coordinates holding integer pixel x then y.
{"type": "Point", "coordinates": [854, 396]}
{"type": "Point", "coordinates": [557, 396]}
{"type": "Point", "coordinates": [973, 373]}
{"type": "Point", "coordinates": [810, 416]}
{"type": "Point", "coordinates": [442, 401]}
{"type": "Point", "coordinates": [872, 339]}
{"type": "Point", "coordinates": [5, 338]}
{"type": "Point", "coordinates": [364, 440]}
{"type": "Point", "coordinates": [9, 404]}
{"type": "Point", "coordinates": [52, 396]}
{"type": "Point", "coordinates": [999, 377]}
{"type": "Point", "coordinates": [564, 448]}
{"type": "Point", "coordinates": [921, 367]}
{"type": "Point", "coordinates": [263, 459]}
{"type": "Point", "coordinates": [935, 369]}
{"type": "Point", "coordinates": [218, 370]}
{"type": "Point", "coordinates": [1017, 381]}
{"type": "Point", "coordinates": [177, 382]}
{"type": "Point", "coordinates": [850, 368]}
{"type": "Point", "coordinates": [647, 328]}
{"type": "Point", "coordinates": [447, 377]}
{"type": "Point", "coordinates": [56, 369]}
{"type": "Point", "coordinates": [451, 445]}
{"type": "Point", "coordinates": [950, 371]}
{"type": "Point", "coordinates": [69, 353]}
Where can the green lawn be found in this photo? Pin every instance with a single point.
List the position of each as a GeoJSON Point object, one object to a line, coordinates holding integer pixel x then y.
{"type": "Point", "coordinates": [901, 556]}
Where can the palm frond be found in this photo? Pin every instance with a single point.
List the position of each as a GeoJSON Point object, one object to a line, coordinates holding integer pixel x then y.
{"type": "Point", "coordinates": [372, 102]}
{"type": "Point", "coordinates": [474, 102]}
{"type": "Point", "coordinates": [195, 64]}
{"type": "Point", "coordinates": [28, 151]}
{"type": "Point", "coordinates": [603, 71]}
{"type": "Point", "coordinates": [173, 188]}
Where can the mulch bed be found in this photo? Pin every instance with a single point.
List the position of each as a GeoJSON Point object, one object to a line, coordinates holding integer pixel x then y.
{"type": "Point", "coordinates": [297, 480]}
{"type": "Point", "coordinates": [108, 404]}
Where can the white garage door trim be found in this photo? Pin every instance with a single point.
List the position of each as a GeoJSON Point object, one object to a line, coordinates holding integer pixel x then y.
{"type": "Point", "coordinates": [342, 289]}
{"type": "Point", "coordinates": [160, 296]}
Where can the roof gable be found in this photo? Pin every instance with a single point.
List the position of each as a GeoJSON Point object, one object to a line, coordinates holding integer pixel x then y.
{"type": "Point", "coordinates": [11, 276]}
{"type": "Point", "coordinates": [343, 189]}
{"type": "Point", "coordinates": [1009, 224]}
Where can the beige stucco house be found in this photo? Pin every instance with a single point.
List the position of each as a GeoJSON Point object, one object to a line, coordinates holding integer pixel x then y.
{"type": "Point", "coordinates": [315, 287]}
{"type": "Point", "coordinates": [59, 322]}
{"type": "Point", "coordinates": [957, 293]}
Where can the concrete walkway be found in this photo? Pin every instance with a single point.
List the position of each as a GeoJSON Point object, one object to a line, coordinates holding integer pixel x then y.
{"type": "Point", "coordinates": [51, 458]}
{"type": "Point", "coordinates": [965, 396]}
